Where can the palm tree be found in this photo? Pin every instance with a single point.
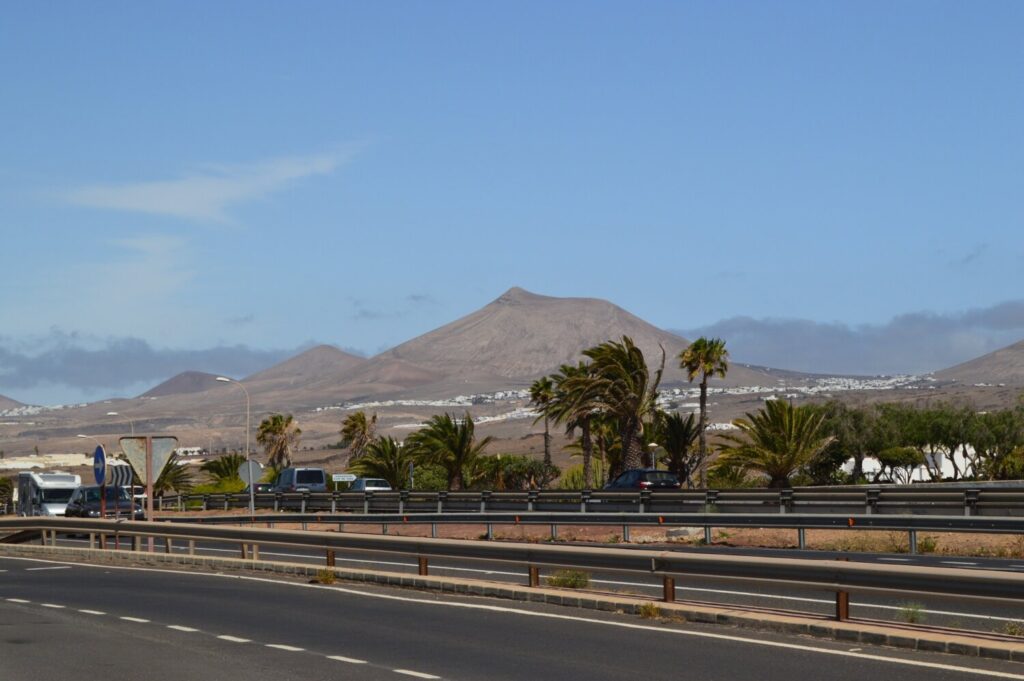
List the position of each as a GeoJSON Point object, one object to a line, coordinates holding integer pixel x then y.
{"type": "Point", "coordinates": [777, 441]}
{"type": "Point", "coordinates": [572, 403]}
{"type": "Point", "coordinates": [449, 443]}
{"type": "Point", "coordinates": [384, 458]}
{"type": "Point", "coordinates": [358, 431]}
{"type": "Point", "coordinates": [174, 476]}
{"type": "Point", "coordinates": [622, 388]}
{"type": "Point", "coordinates": [279, 434]}
{"type": "Point", "coordinates": [541, 393]}
{"type": "Point", "coordinates": [707, 357]}
{"type": "Point", "coordinates": [223, 468]}
{"type": "Point", "coordinates": [676, 435]}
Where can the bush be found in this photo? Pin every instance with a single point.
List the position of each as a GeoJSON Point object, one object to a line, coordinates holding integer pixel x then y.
{"type": "Point", "coordinates": [572, 477]}
{"type": "Point", "coordinates": [569, 579]}
{"type": "Point", "coordinates": [912, 613]}
{"type": "Point", "coordinates": [222, 487]}
{"type": "Point", "coordinates": [649, 611]}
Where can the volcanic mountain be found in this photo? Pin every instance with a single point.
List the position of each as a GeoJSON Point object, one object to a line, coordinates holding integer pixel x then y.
{"type": "Point", "coordinates": [1005, 365]}
{"type": "Point", "coordinates": [8, 403]}
{"type": "Point", "coordinates": [185, 383]}
{"type": "Point", "coordinates": [522, 336]}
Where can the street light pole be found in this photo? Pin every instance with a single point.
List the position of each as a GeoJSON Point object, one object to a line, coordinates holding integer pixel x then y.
{"type": "Point", "coordinates": [248, 466]}
{"type": "Point", "coordinates": [130, 422]}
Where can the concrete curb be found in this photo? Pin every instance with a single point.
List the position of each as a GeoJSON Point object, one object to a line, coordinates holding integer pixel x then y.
{"type": "Point", "coordinates": [807, 625]}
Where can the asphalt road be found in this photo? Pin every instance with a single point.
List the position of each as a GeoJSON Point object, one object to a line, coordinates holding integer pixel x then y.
{"type": "Point", "coordinates": [61, 621]}
{"type": "Point", "coordinates": [977, 615]}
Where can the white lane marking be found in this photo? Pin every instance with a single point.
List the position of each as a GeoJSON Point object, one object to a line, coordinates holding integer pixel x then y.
{"type": "Point", "coordinates": [1017, 566]}
{"type": "Point", "coordinates": [234, 639]}
{"type": "Point", "coordinates": [896, 560]}
{"type": "Point", "coordinates": [139, 620]}
{"type": "Point", "coordinates": [92, 612]}
{"type": "Point", "coordinates": [342, 658]}
{"type": "Point", "coordinates": [18, 600]}
{"type": "Point", "coordinates": [281, 646]}
{"type": "Point", "coordinates": [51, 605]}
{"type": "Point", "coordinates": [178, 627]}
{"type": "Point", "coordinates": [56, 567]}
{"type": "Point", "coordinates": [419, 675]}
{"type": "Point", "coordinates": [957, 562]}
{"type": "Point", "coordinates": [572, 618]}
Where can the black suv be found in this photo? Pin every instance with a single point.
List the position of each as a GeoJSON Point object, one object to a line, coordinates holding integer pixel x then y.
{"type": "Point", "coordinates": [645, 478]}
{"type": "Point", "coordinates": [85, 503]}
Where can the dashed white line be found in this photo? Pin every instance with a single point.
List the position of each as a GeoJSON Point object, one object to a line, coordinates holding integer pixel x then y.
{"type": "Point", "coordinates": [234, 639]}
{"type": "Point", "coordinates": [342, 658]}
{"type": "Point", "coordinates": [139, 620]}
{"type": "Point", "coordinates": [896, 560]}
{"type": "Point", "coordinates": [281, 646]}
{"type": "Point", "coordinates": [957, 562]}
{"type": "Point", "coordinates": [178, 627]}
{"type": "Point", "coordinates": [18, 600]}
{"type": "Point", "coordinates": [51, 605]}
{"type": "Point", "coordinates": [92, 612]}
{"type": "Point", "coordinates": [55, 567]}
{"type": "Point", "coordinates": [419, 675]}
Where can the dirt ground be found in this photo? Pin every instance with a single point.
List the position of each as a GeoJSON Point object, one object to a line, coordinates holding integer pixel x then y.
{"type": "Point", "coordinates": [940, 543]}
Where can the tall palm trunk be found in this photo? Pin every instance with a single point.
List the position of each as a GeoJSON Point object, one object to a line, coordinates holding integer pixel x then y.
{"type": "Point", "coordinates": [547, 441]}
{"type": "Point", "coordinates": [588, 450]}
{"type": "Point", "coordinates": [632, 448]}
{"type": "Point", "coordinates": [702, 427]}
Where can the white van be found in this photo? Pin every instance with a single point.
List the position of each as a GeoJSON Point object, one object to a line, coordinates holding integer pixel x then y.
{"type": "Point", "coordinates": [45, 493]}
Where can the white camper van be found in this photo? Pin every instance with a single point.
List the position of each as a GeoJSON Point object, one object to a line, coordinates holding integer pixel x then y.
{"type": "Point", "coordinates": [45, 493]}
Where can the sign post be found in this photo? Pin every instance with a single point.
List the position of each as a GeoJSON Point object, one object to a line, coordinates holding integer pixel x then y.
{"type": "Point", "coordinates": [99, 471]}
{"type": "Point", "coordinates": [148, 455]}
{"type": "Point", "coordinates": [341, 477]}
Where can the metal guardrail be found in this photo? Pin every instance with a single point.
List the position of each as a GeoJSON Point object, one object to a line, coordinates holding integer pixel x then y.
{"type": "Point", "coordinates": [868, 500]}
{"type": "Point", "coordinates": [842, 577]}
{"type": "Point", "coordinates": [801, 522]}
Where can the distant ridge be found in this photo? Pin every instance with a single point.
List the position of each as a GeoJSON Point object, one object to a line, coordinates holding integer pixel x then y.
{"type": "Point", "coordinates": [522, 335]}
{"type": "Point", "coordinates": [320, 363]}
{"type": "Point", "coordinates": [183, 384]}
{"type": "Point", "coordinates": [1005, 365]}
{"type": "Point", "coordinates": [8, 403]}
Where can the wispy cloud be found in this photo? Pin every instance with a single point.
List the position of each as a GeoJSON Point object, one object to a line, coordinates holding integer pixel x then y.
{"type": "Point", "coordinates": [206, 195]}
{"type": "Point", "coordinates": [911, 343]}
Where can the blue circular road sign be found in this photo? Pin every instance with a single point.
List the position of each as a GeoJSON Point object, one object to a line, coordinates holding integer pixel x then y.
{"type": "Point", "coordinates": [99, 465]}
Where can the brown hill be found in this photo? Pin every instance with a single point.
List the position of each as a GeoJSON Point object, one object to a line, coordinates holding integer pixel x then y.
{"type": "Point", "coordinates": [321, 363]}
{"type": "Point", "coordinates": [185, 383]}
{"type": "Point", "coordinates": [522, 335]}
{"type": "Point", "coordinates": [8, 403]}
{"type": "Point", "coordinates": [1005, 365]}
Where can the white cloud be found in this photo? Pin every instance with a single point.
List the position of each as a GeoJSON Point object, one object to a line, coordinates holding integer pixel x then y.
{"type": "Point", "coordinates": [206, 196]}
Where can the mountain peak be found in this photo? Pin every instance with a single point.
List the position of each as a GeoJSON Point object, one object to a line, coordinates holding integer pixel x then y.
{"type": "Point", "coordinates": [518, 296]}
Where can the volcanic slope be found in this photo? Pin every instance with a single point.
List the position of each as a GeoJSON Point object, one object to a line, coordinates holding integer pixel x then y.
{"type": "Point", "coordinates": [185, 383]}
{"type": "Point", "coordinates": [522, 336]}
{"type": "Point", "coordinates": [8, 403]}
{"type": "Point", "coordinates": [1005, 365]}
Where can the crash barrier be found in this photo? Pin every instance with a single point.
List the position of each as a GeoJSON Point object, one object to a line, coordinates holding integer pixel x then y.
{"type": "Point", "coordinates": [923, 499]}
{"type": "Point", "coordinates": [801, 522]}
{"type": "Point", "coordinates": [841, 577]}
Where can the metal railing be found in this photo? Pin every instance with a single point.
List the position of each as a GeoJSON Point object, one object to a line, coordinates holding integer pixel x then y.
{"type": "Point", "coordinates": [841, 577]}
{"type": "Point", "coordinates": [924, 499]}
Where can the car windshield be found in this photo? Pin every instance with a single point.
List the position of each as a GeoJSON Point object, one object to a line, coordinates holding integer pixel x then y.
{"type": "Point", "coordinates": [311, 476]}
{"type": "Point", "coordinates": [660, 476]}
{"type": "Point", "coordinates": [57, 496]}
{"type": "Point", "coordinates": [377, 482]}
{"type": "Point", "coordinates": [92, 494]}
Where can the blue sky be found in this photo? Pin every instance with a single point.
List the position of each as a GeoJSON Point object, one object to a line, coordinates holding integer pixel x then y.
{"type": "Point", "coordinates": [194, 176]}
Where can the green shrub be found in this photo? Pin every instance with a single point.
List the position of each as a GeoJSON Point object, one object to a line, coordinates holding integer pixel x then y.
{"type": "Point", "coordinates": [569, 579]}
{"type": "Point", "coordinates": [221, 487]}
{"type": "Point", "coordinates": [649, 611]}
{"type": "Point", "coordinates": [912, 613]}
{"type": "Point", "coordinates": [325, 576]}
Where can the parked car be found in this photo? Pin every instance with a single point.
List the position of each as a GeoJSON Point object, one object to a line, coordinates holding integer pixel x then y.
{"type": "Point", "coordinates": [260, 488]}
{"type": "Point", "coordinates": [369, 485]}
{"type": "Point", "coordinates": [85, 503]}
{"type": "Point", "coordinates": [301, 480]}
{"type": "Point", "coordinates": [645, 478]}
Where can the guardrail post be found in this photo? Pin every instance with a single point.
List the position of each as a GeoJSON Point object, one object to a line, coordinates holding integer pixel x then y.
{"type": "Point", "coordinates": [245, 551]}
{"type": "Point", "coordinates": [403, 498]}
{"type": "Point", "coordinates": [534, 575]}
{"type": "Point", "coordinates": [206, 502]}
{"type": "Point", "coordinates": [227, 502]}
{"type": "Point", "coordinates": [136, 543]}
{"type": "Point", "coordinates": [484, 497]}
{"type": "Point", "coordinates": [383, 528]}
{"type": "Point", "coordinates": [334, 502]}
{"type": "Point", "coordinates": [92, 540]}
{"type": "Point", "coordinates": [168, 547]}
{"type": "Point", "coordinates": [531, 499]}
{"type": "Point", "coordinates": [255, 551]}
{"type": "Point", "coordinates": [366, 501]}
{"type": "Point", "coordinates": [843, 603]}
{"type": "Point", "coordinates": [625, 533]}
{"type": "Point", "coordinates": [668, 589]}
{"type": "Point", "coordinates": [433, 530]}
{"type": "Point", "coordinates": [305, 500]}
{"type": "Point", "coordinates": [912, 541]}
{"type": "Point", "coordinates": [584, 498]}
{"type": "Point", "coordinates": [801, 536]}
{"type": "Point", "coordinates": [710, 499]}
{"type": "Point", "coordinates": [277, 502]}
{"type": "Point", "coordinates": [871, 499]}
{"type": "Point", "coordinates": [423, 565]}
{"type": "Point", "coordinates": [160, 503]}
{"type": "Point", "coordinates": [330, 557]}
{"type": "Point", "coordinates": [707, 535]}
{"type": "Point", "coordinates": [971, 501]}
{"type": "Point", "coordinates": [490, 531]}
{"type": "Point", "coordinates": [181, 503]}
{"type": "Point", "coordinates": [441, 498]}
{"type": "Point", "coordinates": [191, 547]}
{"type": "Point", "coordinates": [645, 499]}
{"type": "Point", "coordinates": [785, 500]}
{"type": "Point", "coordinates": [554, 532]}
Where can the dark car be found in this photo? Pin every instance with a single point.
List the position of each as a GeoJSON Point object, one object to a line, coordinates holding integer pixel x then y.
{"type": "Point", "coordinates": [645, 478]}
{"type": "Point", "coordinates": [85, 503]}
{"type": "Point", "coordinates": [301, 480]}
